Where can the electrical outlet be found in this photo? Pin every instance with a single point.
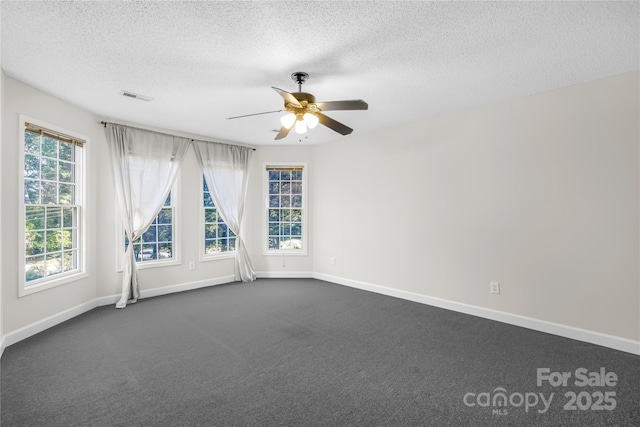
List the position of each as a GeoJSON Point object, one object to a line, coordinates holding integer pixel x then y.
{"type": "Point", "coordinates": [495, 287]}
{"type": "Point", "coordinates": [192, 265]}
{"type": "Point", "coordinates": [332, 260]}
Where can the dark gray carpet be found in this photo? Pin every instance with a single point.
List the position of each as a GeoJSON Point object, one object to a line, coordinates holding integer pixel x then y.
{"type": "Point", "coordinates": [297, 353]}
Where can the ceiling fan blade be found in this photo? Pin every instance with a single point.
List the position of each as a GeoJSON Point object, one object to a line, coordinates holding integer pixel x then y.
{"type": "Point", "coordinates": [288, 98]}
{"type": "Point", "coordinates": [334, 125]}
{"type": "Point", "coordinates": [254, 114]}
{"type": "Point", "coordinates": [353, 104]}
{"type": "Point", "coordinates": [284, 131]}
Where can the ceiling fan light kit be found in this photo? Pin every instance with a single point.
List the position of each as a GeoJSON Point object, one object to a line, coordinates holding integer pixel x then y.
{"type": "Point", "coordinates": [303, 112]}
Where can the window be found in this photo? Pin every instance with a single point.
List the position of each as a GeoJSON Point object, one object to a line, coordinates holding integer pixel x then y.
{"type": "Point", "coordinates": [285, 209]}
{"type": "Point", "coordinates": [218, 237]}
{"type": "Point", "coordinates": [52, 207]}
{"type": "Point", "coordinates": [156, 244]}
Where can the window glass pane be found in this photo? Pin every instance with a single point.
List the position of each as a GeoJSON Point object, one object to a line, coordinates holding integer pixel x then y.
{"type": "Point", "coordinates": [67, 239]}
{"type": "Point", "coordinates": [296, 229]}
{"type": "Point", "coordinates": [53, 240]}
{"type": "Point", "coordinates": [32, 143]}
{"type": "Point", "coordinates": [35, 217]}
{"type": "Point", "coordinates": [210, 247]}
{"type": "Point", "coordinates": [31, 191]}
{"type": "Point", "coordinates": [285, 225]}
{"type": "Point", "coordinates": [274, 175]}
{"type": "Point", "coordinates": [54, 263]}
{"type": "Point", "coordinates": [49, 192]}
{"type": "Point", "coordinates": [31, 166]}
{"type": "Point", "coordinates": [66, 194]}
{"type": "Point", "coordinates": [274, 228]}
{"type": "Point", "coordinates": [210, 215]}
{"type": "Point", "coordinates": [34, 268]}
{"type": "Point", "coordinates": [54, 217]}
{"type": "Point", "coordinates": [164, 233]}
{"type": "Point", "coordinates": [66, 171]}
{"type": "Point", "coordinates": [164, 251]}
{"type": "Point", "coordinates": [165, 216]}
{"type": "Point", "coordinates": [149, 252]}
{"type": "Point", "coordinates": [274, 188]}
{"type": "Point", "coordinates": [49, 147]}
{"type": "Point", "coordinates": [150, 234]}
{"type": "Point", "coordinates": [285, 188]}
{"type": "Point", "coordinates": [49, 169]}
{"type": "Point", "coordinates": [274, 243]}
{"type": "Point", "coordinates": [34, 242]}
{"type": "Point", "coordinates": [69, 260]}
{"type": "Point", "coordinates": [210, 231]}
{"type": "Point", "coordinates": [67, 152]}
{"type": "Point", "coordinates": [68, 217]}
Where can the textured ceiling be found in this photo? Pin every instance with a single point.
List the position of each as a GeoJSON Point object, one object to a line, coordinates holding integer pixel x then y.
{"type": "Point", "coordinates": [205, 61]}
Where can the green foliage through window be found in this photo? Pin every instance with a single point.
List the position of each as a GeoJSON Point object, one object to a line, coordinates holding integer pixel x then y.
{"type": "Point", "coordinates": [51, 209]}
{"type": "Point", "coordinates": [284, 216]}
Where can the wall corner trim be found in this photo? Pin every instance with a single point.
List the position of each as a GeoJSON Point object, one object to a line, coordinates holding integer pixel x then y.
{"type": "Point", "coordinates": [605, 340]}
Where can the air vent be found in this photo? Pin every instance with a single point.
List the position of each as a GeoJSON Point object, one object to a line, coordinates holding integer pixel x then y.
{"type": "Point", "coordinates": [136, 96]}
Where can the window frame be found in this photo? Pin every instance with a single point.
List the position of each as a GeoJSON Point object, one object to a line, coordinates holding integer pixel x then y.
{"type": "Point", "coordinates": [175, 231]}
{"type": "Point", "coordinates": [81, 154]}
{"type": "Point", "coordinates": [265, 211]}
{"type": "Point", "coordinates": [202, 255]}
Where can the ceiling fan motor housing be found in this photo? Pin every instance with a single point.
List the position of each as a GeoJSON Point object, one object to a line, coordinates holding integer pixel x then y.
{"type": "Point", "coordinates": [306, 100]}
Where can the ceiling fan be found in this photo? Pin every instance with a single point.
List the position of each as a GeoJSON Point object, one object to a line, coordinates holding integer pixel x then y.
{"type": "Point", "coordinates": [304, 112]}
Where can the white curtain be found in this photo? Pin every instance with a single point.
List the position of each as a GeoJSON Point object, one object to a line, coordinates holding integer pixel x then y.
{"type": "Point", "coordinates": [225, 168]}
{"type": "Point", "coordinates": [145, 165]}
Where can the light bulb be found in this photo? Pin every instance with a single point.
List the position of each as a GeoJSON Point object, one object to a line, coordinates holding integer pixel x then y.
{"type": "Point", "coordinates": [301, 127]}
{"type": "Point", "coordinates": [311, 120]}
{"type": "Point", "coordinates": [288, 120]}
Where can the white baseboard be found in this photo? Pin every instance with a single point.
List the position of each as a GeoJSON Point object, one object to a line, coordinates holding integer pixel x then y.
{"type": "Point", "coordinates": [148, 293]}
{"type": "Point", "coordinates": [41, 325]}
{"type": "Point", "coordinates": [605, 340]}
{"type": "Point", "coordinates": [285, 274]}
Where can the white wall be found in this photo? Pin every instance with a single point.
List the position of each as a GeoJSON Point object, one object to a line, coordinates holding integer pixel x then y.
{"type": "Point", "coordinates": [539, 193]}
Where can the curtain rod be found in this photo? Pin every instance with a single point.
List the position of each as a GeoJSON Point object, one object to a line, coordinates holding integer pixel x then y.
{"type": "Point", "coordinates": [103, 123]}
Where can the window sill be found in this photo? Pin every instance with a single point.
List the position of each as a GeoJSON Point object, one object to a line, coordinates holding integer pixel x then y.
{"type": "Point", "coordinates": [287, 253]}
{"type": "Point", "coordinates": [50, 283]}
{"type": "Point", "coordinates": [151, 264]}
{"type": "Point", "coordinates": [216, 257]}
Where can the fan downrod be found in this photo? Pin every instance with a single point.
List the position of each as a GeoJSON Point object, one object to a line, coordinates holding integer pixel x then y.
{"type": "Point", "coordinates": [299, 77]}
